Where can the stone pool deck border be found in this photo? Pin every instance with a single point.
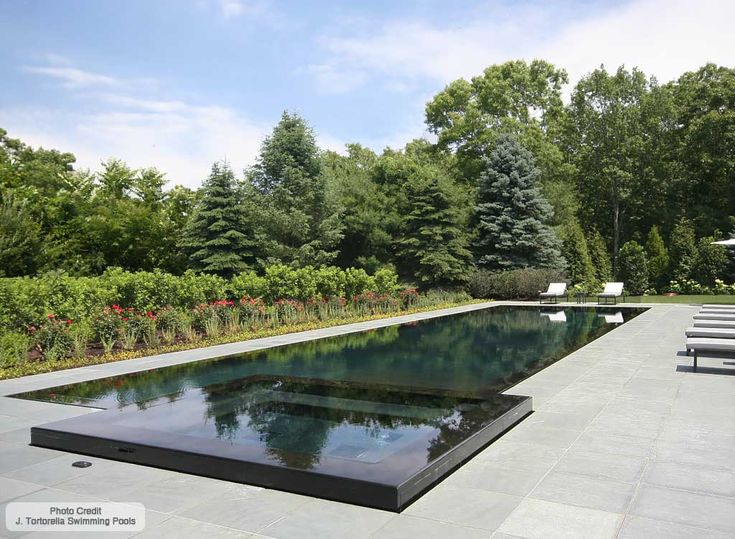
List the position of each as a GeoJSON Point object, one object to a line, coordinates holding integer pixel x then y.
{"type": "Point", "coordinates": [626, 441]}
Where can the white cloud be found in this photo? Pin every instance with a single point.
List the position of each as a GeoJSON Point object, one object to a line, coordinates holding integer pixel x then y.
{"type": "Point", "coordinates": [72, 77]}
{"type": "Point", "coordinates": [232, 8]}
{"type": "Point", "coordinates": [178, 137]}
{"type": "Point", "coordinates": [662, 37]}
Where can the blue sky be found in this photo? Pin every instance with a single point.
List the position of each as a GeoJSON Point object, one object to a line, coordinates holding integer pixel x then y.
{"type": "Point", "coordinates": [178, 84]}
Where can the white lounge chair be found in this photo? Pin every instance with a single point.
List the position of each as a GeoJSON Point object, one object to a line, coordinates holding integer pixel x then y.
{"type": "Point", "coordinates": [714, 316]}
{"type": "Point", "coordinates": [713, 333]}
{"type": "Point", "coordinates": [703, 344]}
{"type": "Point", "coordinates": [555, 291]}
{"type": "Point", "coordinates": [612, 291]}
{"type": "Point", "coordinates": [725, 324]}
{"type": "Point", "coordinates": [719, 306]}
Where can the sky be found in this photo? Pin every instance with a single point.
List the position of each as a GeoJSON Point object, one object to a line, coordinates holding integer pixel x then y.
{"type": "Point", "coordinates": [179, 84]}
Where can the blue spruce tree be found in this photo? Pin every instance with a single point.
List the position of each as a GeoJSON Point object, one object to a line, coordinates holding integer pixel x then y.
{"type": "Point", "coordinates": [511, 215]}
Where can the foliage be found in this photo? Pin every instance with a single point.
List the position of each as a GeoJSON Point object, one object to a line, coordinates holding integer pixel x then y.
{"type": "Point", "coordinates": [26, 301]}
{"type": "Point", "coordinates": [658, 257]}
{"type": "Point", "coordinates": [612, 132]}
{"type": "Point", "coordinates": [711, 261]}
{"type": "Point", "coordinates": [510, 98]}
{"type": "Point", "coordinates": [580, 269]}
{"type": "Point", "coordinates": [434, 243]}
{"type": "Point", "coordinates": [525, 283]}
{"type": "Point", "coordinates": [600, 257]}
{"type": "Point", "coordinates": [13, 348]}
{"type": "Point", "coordinates": [19, 238]}
{"type": "Point", "coordinates": [216, 238]}
{"type": "Point", "coordinates": [511, 215]}
{"type": "Point", "coordinates": [683, 250]}
{"type": "Point", "coordinates": [300, 226]}
{"type": "Point", "coordinates": [633, 267]}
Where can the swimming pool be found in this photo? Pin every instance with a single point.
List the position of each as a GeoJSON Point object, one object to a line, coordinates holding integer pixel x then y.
{"type": "Point", "coordinates": [375, 418]}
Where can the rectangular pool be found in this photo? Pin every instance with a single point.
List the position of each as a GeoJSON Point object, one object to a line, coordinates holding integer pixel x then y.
{"type": "Point", "coordinates": [374, 418]}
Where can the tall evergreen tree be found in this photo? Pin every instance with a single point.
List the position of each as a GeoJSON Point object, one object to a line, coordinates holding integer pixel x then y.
{"type": "Point", "coordinates": [574, 248]}
{"type": "Point", "coordinates": [600, 257]}
{"type": "Point", "coordinates": [433, 247]}
{"type": "Point", "coordinates": [683, 251]}
{"type": "Point", "coordinates": [300, 224]}
{"type": "Point", "coordinates": [658, 257]}
{"type": "Point", "coordinates": [511, 214]}
{"type": "Point", "coordinates": [633, 267]}
{"type": "Point", "coordinates": [216, 237]}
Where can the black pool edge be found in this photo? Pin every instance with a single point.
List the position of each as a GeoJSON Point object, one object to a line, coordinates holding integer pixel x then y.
{"type": "Point", "coordinates": [341, 489]}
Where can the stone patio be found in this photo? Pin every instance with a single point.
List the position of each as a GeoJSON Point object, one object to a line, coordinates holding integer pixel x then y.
{"type": "Point", "coordinates": [626, 441]}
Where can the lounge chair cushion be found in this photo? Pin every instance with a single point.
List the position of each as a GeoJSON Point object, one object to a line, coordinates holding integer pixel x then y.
{"type": "Point", "coordinates": [611, 290]}
{"type": "Point", "coordinates": [706, 343]}
{"type": "Point", "coordinates": [726, 324]}
{"type": "Point", "coordinates": [555, 290]}
{"type": "Point", "coordinates": [715, 333]}
{"type": "Point", "coordinates": [707, 316]}
{"type": "Point", "coordinates": [719, 306]}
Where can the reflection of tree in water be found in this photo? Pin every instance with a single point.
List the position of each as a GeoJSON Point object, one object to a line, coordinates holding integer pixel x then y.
{"type": "Point", "coordinates": [295, 434]}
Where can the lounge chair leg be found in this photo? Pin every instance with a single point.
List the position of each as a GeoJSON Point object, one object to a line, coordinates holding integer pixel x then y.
{"type": "Point", "coordinates": [695, 361]}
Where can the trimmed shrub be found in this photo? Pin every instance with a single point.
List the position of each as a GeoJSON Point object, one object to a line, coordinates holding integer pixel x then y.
{"type": "Point", "coordinates": [711, 261]}
{"type": "Point", "coordinates": [523, 283]}
{"type": "Point", "coordinates": [658, 257]}
{"type": "Point", "coordinates": [633, 267]}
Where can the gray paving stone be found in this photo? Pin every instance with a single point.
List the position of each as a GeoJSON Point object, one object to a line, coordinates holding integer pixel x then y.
{"type": "Point", "coordinates": [605, 465]}
{"type": "Point", "coordinates": [403, 526]}
{"type": "Point", "coordinates": [543, 435]}
{"type": "Point", "coordinates": [12, 488]}
{"type": "Point", "coordinates": [494, 478]}
{"type": "Point", "coordinates": [250, 514]}
{"type": "Point", "coordinates": [558, 421]}
{"type": "Point", "coordinates": [185, 528]}
{"type": "Point", "coordinates": [106, 479]}
{"type": "Point", "coordinates": [326, 519]}
{"type": "Point", "coordinates": [699, 478]}
{"type": "Point", "coordinates": [585, 491]}
{"type": "Point", "coordinates": [538, 519]}
{"type": "Point", "coordinates": [522, 456]}
{"type": "Point", "coordinates": [15, 456]}
{"type": "Point", "coordinates": [465, 507]}
{"type": "Point", "coordinates": [54, 471]}
{"type": "Point", "coordinates": [647, 528]}
{"type": "Point", "coordinates": [686, 508]}
{"type": "Point", "coordinates": [181, 492]}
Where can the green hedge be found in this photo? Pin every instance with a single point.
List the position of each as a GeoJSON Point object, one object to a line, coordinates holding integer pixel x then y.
{"type": "Point", "coordinates": [512, 284]}
{"type": "Point", "coordinates": [26, 301]}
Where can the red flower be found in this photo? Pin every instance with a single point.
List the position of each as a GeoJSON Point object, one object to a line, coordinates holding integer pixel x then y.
{"type": "Point", "coordinates": [50, 316]}
{"type": "Point", "coordinates": [68, 322]}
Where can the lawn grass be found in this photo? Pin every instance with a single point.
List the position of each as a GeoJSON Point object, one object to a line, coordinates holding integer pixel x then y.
{"type": "Point", "coordinates": [683, 298]}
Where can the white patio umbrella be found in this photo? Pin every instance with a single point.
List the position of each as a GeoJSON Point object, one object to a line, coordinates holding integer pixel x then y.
{"type": "Point", "coordinates": [730, 242]}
